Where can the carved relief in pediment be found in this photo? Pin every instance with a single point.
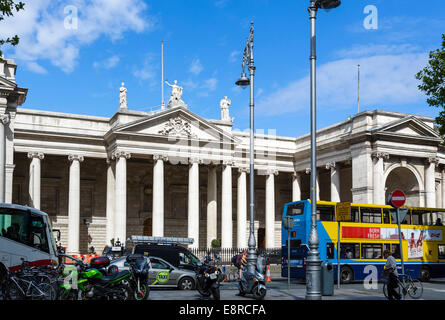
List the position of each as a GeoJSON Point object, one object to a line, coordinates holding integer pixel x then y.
{"type": "Point", "coordinates": [177, 127]}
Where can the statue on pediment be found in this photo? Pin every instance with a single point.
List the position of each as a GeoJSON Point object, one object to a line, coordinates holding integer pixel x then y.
{"type": "Point", "coordinates": [123, 97]}
{"type": "Point", "coordinates": [224, 105]}
{"type": "Point", "coordinates": [176, 95]}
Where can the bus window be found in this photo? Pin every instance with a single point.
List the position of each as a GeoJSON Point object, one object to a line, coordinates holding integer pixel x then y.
{"type": "Point", "coordinates": [441, 251]}
{"type": "Point", "coordinates": [406, 220]}
{"type": "Point", "coordinates": [421, 217]}
{"type": "Point", "coordinates": [386, 215]}
{"type": "Point", "coordinates": [437, 218]}
{"type": "Point", "coordinates": [295, 209]}
{"type": "Point", "coordinates": [371, 251]}
{"type": "Point", "coordinates": [371, 215]}
{"type": "Point", "coordinates": [354, 214]}
{"type": "Point", "coordinates": [330, 251]}
{"type": "Point", "coordinates": [386, 246]}
{"type": "Point", "coordinates": [350, 250]}
{"type": "Point", "coordinates": [395, 251]}
{"type": "Point", "coordinates": [325, 213]}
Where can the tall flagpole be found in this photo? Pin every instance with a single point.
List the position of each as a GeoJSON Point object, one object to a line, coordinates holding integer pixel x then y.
{"type": "Point", "coordinates": [162, 72]}
{"type": "Point", "coordinates": [358, 91]}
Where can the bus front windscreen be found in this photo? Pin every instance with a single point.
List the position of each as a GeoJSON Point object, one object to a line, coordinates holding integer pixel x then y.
{"type": "Point", "coordinates": [24, 227]}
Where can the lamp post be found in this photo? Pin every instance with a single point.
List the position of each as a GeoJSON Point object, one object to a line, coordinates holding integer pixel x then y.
{"type": "Point", "coordinates": [243, 82]}
{"type": "Point", "coordinates": [313, 262]}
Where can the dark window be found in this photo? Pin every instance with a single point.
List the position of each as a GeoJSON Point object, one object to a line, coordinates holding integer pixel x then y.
{"type": "Point", "coordinates": [395, 249]}
{"type": "Point", "coordinates": [371, 215]}
{"type": "Point", "coordinates": [350, 250]}
{"type": "Point", "coordinates": [330, 251]}
{"type": "Point", "coordinates": [158, 264]}
{"type": "Point", "coordinates": [386, 246]}
{"type": "Point", "coordinates": [325, 213]}
{"type": "Point", "coordinates": [371, 251]}
{"type": "Point", "coordinates": [441, 251]}
{"type": "Point", "coordinates": [421, 217]}
{"type": "Point", "coordinates": [437, 218]}
{"type": "Point", "coordinates": [406, 220]}
{"type": "Point", "coordinates": [386, 215]}
{"type": "Point", "coordinates": [354, 214]}
{"type": "Point", "coordinates": [295, 209]}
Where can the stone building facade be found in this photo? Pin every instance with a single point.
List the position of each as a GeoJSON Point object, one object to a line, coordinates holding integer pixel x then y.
{"type": "Point", "coordinates": [173, 173]}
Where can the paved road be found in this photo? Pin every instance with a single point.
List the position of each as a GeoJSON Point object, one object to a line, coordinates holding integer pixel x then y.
{"type": "Point", "coordinates": [278, 290]}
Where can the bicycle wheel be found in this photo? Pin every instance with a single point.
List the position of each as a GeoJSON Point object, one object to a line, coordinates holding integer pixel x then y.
{"type": "Point", "coordinates": [415, 289]}
{"type": "Point", "coordinates": [12, 291]}
{"type": "Point", "coordinates": [43, 291]}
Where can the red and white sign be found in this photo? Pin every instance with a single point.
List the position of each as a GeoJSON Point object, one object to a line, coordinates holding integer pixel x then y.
{"type": "Point", "coordinates": [390, 233]}
{"type": "Point", "coordinates": [397, 198]}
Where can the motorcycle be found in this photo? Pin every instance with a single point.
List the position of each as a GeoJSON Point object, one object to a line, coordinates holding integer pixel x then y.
{"type": "Point", "coordinates": [139, 276]}
{"type": "Point", "coordinates": [208, 280]}
{"type": "Point", "coordinates": [254, 283]}
{"type": "Point", "coordinates": [82, 281]}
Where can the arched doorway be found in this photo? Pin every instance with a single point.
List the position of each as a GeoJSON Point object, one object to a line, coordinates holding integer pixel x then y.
{"type": "Point", "coordinates": [404, 179]}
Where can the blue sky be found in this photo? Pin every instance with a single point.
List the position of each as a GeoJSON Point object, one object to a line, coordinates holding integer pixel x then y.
{"type": "Point", "coordinates": [80, 69]}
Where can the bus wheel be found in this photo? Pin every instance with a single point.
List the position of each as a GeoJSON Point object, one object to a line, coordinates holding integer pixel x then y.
{"type": "Point", "coordinates": [425, 274]}
{"type": "Point", "coordinates": [346, 274]}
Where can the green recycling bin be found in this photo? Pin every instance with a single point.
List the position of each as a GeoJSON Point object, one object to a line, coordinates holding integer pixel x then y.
{"type": "Point", "coordinates": [327, 279]}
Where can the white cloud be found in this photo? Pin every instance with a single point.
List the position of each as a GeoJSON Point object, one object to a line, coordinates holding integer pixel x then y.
{"type": "Point", "coordinates": [196, 67]}
{"type": "Point", "coordinates": [234, 56]}
{"type": "Point", "coordinates": [109, 63]}
{"type": "Point", "coordinates": [43, 34]}
{"type": "Point", "coordinates": [384, 80]}
{"type": "Point", "coordinates": [147, 71]}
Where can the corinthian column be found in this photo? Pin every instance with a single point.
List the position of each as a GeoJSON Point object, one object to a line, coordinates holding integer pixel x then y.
{"type": "Point", "coordinates": [35, 178]}
{"type": "Point", "coordinates": [193, 202]}
{"type": "Point", "coordinates": [120, 207]}
{"type": "Point", "coordinates": [378, 171]}
{"type": "Point", "coordinates": [4, 119]}
{"type": "Point", "coordinates": [74, 204]}
{"type": "Point", "coordinates": [211, 206]}
{"type": "Point", "coordinates": [270, 208]}
{"type": "Point", "coordinates": [111, 186]}
{"type": "Point", "coordinates": [430, 182]}
{"type": "Point", "coordinates": [226, 205]}
{"type": "Point", "coordinates": [335, 181]}
{"type": "Point", "coordinates": [296, 186]}
{"type": "Point", "coordinates": [158, 195]}
{"type": "Point", "coordinates": [241, 211]}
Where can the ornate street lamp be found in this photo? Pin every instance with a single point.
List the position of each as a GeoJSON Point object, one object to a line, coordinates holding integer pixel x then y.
{"type": "Point", "coordinates": [313, 262]}
{"type": "Point", "coordinates": [243, 82]}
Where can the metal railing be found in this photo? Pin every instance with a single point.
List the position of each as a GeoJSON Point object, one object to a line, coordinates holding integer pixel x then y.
{"type": "Point", "coordinates": [273, 255]}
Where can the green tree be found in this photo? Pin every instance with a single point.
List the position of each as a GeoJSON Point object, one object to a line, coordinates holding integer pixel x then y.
{"type": "Point", "coordinates": [433, 83]}
{"type": "Point", "coordinates": [7, 8]}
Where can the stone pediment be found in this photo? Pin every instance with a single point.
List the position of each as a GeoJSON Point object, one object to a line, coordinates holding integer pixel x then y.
{"type": "Point", "coordinates": [176, 123]}
{"type": "Point", "coordinates": [7, 84]}
{"type": "Point", "coordinates": [410, 126]}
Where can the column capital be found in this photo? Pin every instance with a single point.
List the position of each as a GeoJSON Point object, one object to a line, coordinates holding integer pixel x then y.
{"type": "Point", "coordinates": [160, 157]}
{"type": "Point", "coordinates": [272, 172]}
{"type": "Point", "coordinates": [243, 170]}
{"type": "Point", "coordinates": [330, 165]}
{"type": "Point", "coordinates": [228, 163]}
{"type": "Point", "coordinates": [120, 154]}
{"type": "Point", "coordinates": [434, 160]}
{"type": "Point", "coordinates": [308, 170]}
{"type": "Point", "coordinates": [4, 118]}
{"type": "Point", "coordinates": [380, 154]}
{"type": "Point", "coordinates": [296, 174]}
{"type": "Point", "coordinates": [194, 160]}
{"type": "Point", "coordinates": [39, 155]}
{"type": "Point", "coordinates": [75, 157]}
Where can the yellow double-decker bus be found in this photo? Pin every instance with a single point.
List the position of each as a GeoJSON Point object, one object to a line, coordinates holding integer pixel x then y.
{"type": "Point", "coordinates": [370, 231]}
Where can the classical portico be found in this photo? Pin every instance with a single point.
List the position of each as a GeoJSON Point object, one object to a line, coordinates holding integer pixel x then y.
{"type": "Point", "coordinates": [171, 172]}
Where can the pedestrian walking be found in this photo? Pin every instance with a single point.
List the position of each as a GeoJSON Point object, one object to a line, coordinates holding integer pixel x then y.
{"type": "Point", "coordinates": [390, 271]}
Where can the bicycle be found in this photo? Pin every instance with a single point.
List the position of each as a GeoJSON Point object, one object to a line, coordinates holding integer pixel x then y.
{"type": "Point", "coordinates": [410, 286]}
{"type": "Point", "coordinates": [25, 284]}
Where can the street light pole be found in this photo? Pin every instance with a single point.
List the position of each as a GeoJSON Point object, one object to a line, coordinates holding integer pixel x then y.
{"type": "Point", "coordinates": [244, 82]}
{"type": "Point", "coordinates": [313, 262]}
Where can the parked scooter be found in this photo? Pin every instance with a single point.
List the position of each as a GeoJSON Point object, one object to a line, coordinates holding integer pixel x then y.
{"type": "Point", "coordinates": [254, 283]}
{"type": "Point", "coordinates": [208, 280]}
